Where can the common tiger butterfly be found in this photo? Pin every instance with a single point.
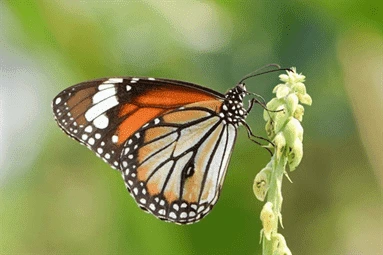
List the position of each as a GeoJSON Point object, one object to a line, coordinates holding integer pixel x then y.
{"type": "Point", "coordinates": [171, 140]}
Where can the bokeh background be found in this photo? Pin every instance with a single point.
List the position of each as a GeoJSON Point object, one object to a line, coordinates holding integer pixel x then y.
{"type": "Point", "coordinates": [56, 197]}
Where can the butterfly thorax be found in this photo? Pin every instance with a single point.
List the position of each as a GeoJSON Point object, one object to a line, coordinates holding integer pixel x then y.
{"type": "Point", "coordinates": [232, 110]}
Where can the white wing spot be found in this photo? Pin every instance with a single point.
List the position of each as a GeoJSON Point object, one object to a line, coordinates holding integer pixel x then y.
{"type": "Point", "coordinates": [58, 100]}
{"type": "Point", "coordinates": [91, 141]}
{"type": "Point", "coordinates": [162, 202]}
{"type": "Point", "coordinates": [151, 79]}
{"type": "Point", "coordinates": [100, 150]}
{"type": "Point", "coordinates": [143, 201]}
{"type": "Point", "coordinates": [98, 109]}
{"type": "Point", "coordinates": [156, 121]}
{"type": "Point", "coordinates": [135, 191]}
{"type": "Point", "coordinates": [152, 207]}
{"type": "Point", "coordinates": [103, 95]}
{"type": "Point", "coordinates": [88, 129]}
{"type": "Point", "coordinates": [192, 214]}
{"type": "Point", "coordinates": [133, 81]}
{"type": "Point", "coordinates": [114, 139]}
{"type": "Point", "coordinates": [162, 212]}
{"type": "Point", "coordinates": [107, 156]}
{"type": "Point", "coordinates": [97, 136]}
{"type": "Point", "coordinates": [105, 86]}
{"type": "Point", "coordinates": [101, 121]}
{"type": "Point", "coordinates": [114, 80]}
{"type": "Point", "coordinates": [183, 215]}
{"type": "Point", "coordinates": [130, 156]}
{"type": "Point", "coordinates": [128, 88]}
{"type": "Point", "coordinates": [84, 137]}
{"type": "Point", "coordinates": [176, 207]}
{"type": "Point", "coordinates": [173, 215]}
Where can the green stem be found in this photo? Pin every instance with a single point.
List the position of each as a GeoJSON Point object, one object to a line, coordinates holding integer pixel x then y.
{"type": "Point", "coordinates": [274, 195]}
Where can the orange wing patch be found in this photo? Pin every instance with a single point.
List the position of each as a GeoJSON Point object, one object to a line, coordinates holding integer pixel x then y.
{"type": "Point", "coordinates": [153, 147]}
{"type": "Point", "coordinates": [127, 109]}
{"type": "Point", "coordinates": [156, 102]}
{"type": "Point", "coordinates": [181, 117]}
{"type": "Point", "coordinates": [172, 96]}
{"type": "Point", "coordinates": [214, 105]}
{"type": "Point", "coordinates": [156, 132]}
{"type": "Point", "coordinates": [135, 121]}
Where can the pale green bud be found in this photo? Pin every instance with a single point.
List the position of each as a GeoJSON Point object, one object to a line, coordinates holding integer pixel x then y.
{"type": "Point", "coordinates": [276, 87]}
{"type": "Point", "coordinates": [295, 155]}
{"type": "Point", "coordinates": [280, 143]}
{"type": "Point", "coordinates": [280, 246]}
{"type": "Point", "coordinates": [280, 118]}
{"type": "Point", "coordinates": [282, 91]}
{"type": "Point", "coordinates": [292, 131]}
{"type": "Point", "coordinates": [300, 88]}
{"type": "Point", "coordinates": [261, 182]}
{"type": "Point", "coordinates": [270, 129]}
{"type": "Point", "coordinates": [292, 102]}
{"type": "Point", "coordinates": [292, 77]}
{"type": "Point", "coordinates": [305, 99]}
{"type": "Point", "coordinates": [268, 219]}
{"type": "Point", "coordinates": [299, 112]}
{"type": "Point", "coordinates": [284, 78]}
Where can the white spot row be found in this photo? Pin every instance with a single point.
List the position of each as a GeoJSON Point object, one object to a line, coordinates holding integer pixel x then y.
{"type": "Point", "coordinates": [58, 100]}
{"type": "Point", "coordinates": [114, 80]}
{"type": "Point", "coordinates": [104, 94]}
{"type": "Point", "coordinates": [100, 108]}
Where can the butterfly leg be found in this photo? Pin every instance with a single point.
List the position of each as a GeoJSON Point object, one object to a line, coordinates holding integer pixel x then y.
{"type": "Point", "coordinates": [251, 136]}
{"type": "Point", "coordinates": [263, 104]}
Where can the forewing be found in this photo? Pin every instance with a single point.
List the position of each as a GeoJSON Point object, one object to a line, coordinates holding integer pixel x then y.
{"type": "Point", "coordinates": [103, 114]}
{"type": "Point", "coordinates": [175, 165]}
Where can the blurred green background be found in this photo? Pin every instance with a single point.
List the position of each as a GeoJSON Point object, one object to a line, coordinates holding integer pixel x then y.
{"type": "Point", "coordinates": [56, 197]}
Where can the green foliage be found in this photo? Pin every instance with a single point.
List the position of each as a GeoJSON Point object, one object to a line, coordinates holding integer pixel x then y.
{"type": "Point", "coordinates": [56, 197]}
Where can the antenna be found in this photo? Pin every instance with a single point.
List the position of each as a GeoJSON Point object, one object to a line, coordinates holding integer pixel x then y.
{"type": "Point", "coordinates": [256, 72]}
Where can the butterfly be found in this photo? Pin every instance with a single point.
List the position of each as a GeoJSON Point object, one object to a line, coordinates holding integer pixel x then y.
{"type": "Point", "coordinates": [171, 140]}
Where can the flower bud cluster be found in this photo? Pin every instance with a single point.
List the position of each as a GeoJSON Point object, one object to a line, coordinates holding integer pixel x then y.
{"type": "Point", "coordinates": [284, 115]}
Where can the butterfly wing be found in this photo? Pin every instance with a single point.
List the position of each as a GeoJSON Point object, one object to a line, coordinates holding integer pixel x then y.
{"type": "Point", "coordinates": [102, 114]}
{"type": "Point", "coordinates": [174, 166]}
